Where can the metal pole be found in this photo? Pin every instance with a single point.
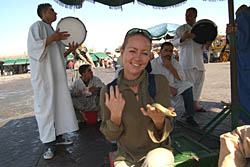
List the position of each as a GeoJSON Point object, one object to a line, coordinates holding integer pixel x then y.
{"type": "Point", "coordinates": [233, 66]}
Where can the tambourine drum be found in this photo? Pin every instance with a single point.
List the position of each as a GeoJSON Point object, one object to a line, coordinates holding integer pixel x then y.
{"type": "Point", "coordinates": [204, 30]}
{"type": "Point", "coordinates": [75, 28]}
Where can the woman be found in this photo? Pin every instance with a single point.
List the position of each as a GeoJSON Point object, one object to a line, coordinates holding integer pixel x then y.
{"type": "Point", "coordinates": [141, 131]}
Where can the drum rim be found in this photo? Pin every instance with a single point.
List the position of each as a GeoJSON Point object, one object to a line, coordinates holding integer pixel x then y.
{"type": "Point", "coordinates": [204, 21]}
{"type": "Point", "coordinates": [71, 17]}
{"type": "Point", "coordinates": [207, 20]}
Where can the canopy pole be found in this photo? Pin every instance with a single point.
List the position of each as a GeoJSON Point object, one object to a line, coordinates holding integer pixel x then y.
{"type": "Point", "coordinates": [233, 68]}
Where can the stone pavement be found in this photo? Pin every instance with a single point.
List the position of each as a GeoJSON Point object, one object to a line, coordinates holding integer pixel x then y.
{"type": "Point", "coordinates": [20, 145]}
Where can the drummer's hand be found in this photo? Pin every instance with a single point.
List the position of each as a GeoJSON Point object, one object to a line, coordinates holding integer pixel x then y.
{"type": "Point", "coordinates": [187, 35]}
{"type": "Point", "coordinates": [208, 44]}
{"type": "Point", "coordinates": [72, 46]}
{"type": "Point", "coordinates": [231, 28]}
{"type": "Point", "coordinates": [57, 35]}
{"type": "Point", "coordinates": [192, 35]}
{"type": "Point", "coordinates": [115, 104]}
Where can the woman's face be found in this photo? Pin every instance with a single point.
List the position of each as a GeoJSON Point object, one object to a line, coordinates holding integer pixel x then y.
{"type": "Point", "coordinates": [135, 56]}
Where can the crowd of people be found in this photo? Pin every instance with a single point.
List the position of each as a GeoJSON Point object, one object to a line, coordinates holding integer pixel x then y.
{"type": "Point", "coordinates": [128, 105]}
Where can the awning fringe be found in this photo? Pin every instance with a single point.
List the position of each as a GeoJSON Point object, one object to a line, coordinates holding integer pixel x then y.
{"type": "Point", "coordinates": [78, 6]}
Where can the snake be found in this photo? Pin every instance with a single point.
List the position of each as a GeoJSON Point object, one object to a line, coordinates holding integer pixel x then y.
{"type": "Point", "coordinates": [163, 109]}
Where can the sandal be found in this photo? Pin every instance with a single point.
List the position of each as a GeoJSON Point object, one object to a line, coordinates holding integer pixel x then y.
{"type": "Point", "coordinates": [201, 110]}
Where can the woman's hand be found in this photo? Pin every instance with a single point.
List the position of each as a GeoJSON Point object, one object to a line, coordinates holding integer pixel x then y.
{"type": "Point", "coordinates": [156, 115]}
{"type": "Point", "coordinates": [115, 104]}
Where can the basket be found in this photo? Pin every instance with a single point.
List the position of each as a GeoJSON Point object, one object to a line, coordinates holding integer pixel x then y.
{"type": "Point", "coordinates": [90, 117]}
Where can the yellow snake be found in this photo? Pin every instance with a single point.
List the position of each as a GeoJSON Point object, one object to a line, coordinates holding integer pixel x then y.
{"type": "Point", "coordinates": [166, 111]}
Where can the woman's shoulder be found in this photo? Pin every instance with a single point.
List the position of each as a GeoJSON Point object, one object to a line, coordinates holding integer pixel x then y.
{"type": "Point", "coordinates": [160, 79]}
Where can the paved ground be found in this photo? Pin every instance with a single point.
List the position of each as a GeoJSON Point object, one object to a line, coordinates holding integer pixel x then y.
{"type": "Point", "coordinates": [20, 144]}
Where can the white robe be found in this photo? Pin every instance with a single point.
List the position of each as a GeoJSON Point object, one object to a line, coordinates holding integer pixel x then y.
{"type": "Point", "coordinates": [159, 68]}
{"type": "Point", "coordinates": [191, 53]}
{"type": "Point", "coordinates": [52, 100]}
{"type": "Point", "coordinates": [180, 85]}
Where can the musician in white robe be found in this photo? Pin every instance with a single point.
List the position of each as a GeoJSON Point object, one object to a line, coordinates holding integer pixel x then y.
{"type": "Point", "coordinates": [191, 55]}
{"type": "Point", "coordinates": [53, 106]}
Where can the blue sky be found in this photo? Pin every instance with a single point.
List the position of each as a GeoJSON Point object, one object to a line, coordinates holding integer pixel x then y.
{"type": "Point", "coordinates": [106, 27]}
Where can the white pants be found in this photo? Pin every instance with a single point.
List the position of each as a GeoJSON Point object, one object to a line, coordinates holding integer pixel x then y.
{"type": "Point", "coordinates": [159, 157]}
{"type": "Point", "coordinates": [196, 77]}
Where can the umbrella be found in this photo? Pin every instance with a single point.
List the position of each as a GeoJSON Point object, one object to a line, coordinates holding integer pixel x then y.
{"type": "Point", "coordinates": [163, 30]}
{"type": "Point", "coordinates": [119, 3]}
{"type": "Point", "coordinates": [166, 3]}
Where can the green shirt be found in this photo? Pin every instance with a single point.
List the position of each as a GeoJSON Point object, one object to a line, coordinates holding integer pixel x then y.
{"type": "Point", "coordinates": [137, 135]}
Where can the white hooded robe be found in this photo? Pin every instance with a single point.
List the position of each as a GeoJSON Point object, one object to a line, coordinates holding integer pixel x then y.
{"type": "Point", "coordinates": [53, 106]}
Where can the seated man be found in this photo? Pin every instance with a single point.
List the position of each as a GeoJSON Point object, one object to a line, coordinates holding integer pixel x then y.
{"type": "Point", "coordinates": [168, 66]}
{"type": "Point", "coordinates": [86, 91]}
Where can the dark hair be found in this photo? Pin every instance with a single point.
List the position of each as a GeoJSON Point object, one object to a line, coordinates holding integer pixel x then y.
{"type": "Point", "coordinates": [41, 8]}
{"type": "Point", "coordinates": [192, 9]}
{"type": "Point", "coordinates": [132, 33]}
{"type": "Point", "coordinates": [166, 44]}
{"type": "Point", "coordinates": [83, 68]}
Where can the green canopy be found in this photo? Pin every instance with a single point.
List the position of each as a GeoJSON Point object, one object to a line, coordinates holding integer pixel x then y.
{"type": "Point", "coordinates": [21, 61]}
{"type": "Point", "coordinates": [28, 61]}
{"type": "Point", "coordinates": [94, 58]}
{"type": "Point", "coordinates": [70, 57]}
{"type": "Point", "coordinates": [101, 55]}
{"type": "Point", "coordinates": [9, 62]}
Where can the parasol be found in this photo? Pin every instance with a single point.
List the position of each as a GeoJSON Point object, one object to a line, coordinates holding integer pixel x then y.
{"type": "Point", "coordinates": [162, 30]}
{"type": "Point", "coordinates": [234, 108]}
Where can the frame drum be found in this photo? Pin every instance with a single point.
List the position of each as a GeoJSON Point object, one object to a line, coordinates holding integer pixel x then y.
{"type": "Point", "coordinates": [204, 30]}
{"type": "Point", "coordinates": [75, 28]}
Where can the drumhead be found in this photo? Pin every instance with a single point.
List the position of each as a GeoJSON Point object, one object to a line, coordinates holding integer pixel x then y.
{"type": "Point", "coordinates": [204, 30]}
{"type": "Point", "coordinates": [75, 28]}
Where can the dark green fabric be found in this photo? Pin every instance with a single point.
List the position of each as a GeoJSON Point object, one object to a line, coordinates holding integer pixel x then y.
{"type": "Point", "coordinates": [94, 58]}
{"type": "Point", "coordinates": [21, 61]}
{"type": "Point", "coordinates": [72, 2]}
{"type": "Point", "coordinates": [117, 3]}
{"type": "Point", "coordinates": [161, 3]}
{"type": "Point", "coordinates": [114, 2]}
{"type": "Point", "coordinates": [9, 62]}
{"type": "Point", "coordinates": [101, 55]}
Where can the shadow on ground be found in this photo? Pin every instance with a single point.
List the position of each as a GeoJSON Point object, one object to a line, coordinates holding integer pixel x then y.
{"type": "Point", "coordinates": [21, 146]}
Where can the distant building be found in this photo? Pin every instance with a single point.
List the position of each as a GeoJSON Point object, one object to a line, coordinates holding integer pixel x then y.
{"type": "Point", "coordinates": [14, 64]}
